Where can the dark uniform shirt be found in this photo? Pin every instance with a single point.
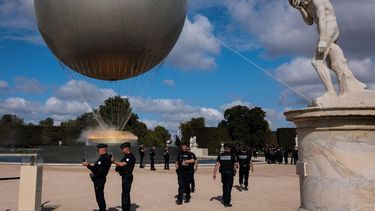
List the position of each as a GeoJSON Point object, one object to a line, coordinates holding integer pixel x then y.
{"type": "Point", "coordinates": [181, 157]}
{"type": "Point", "coordinates": [129, 159]}
{"type": "Point", "coordinates": [152, 154]}
{"type": "Point", "coordinates": [166, 154]}
{"type": "Point", "coordinates": [141, 152]}
{"type": "Point", "coordinates": [244, 158]}
{"type": "Point", "coordinates": [191, 165]}
{"type": "Point", "coordinates": [227, 161]}
{"type": "Point", "coordinates": [101, 167]}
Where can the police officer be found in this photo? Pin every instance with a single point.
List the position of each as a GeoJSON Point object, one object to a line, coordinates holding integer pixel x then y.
{"type": "Point", "coordinates": [184, 158]}
{"type": "Point", "coordinates": [244, 160]}
{"type": "Point", "coordinates": [152, 158]}
{"type": "Point", "coordinates": [125, 168]}
{"type": "Point", "coordinates": [193, 169]}
{"type": "Point", "coordinates": [226, 162]}
{"type": "Point", "coordinates": [166, 158]}
{"type": "Point", "coordinates": [99, 171]}
{"type": "Point", "coordinates": [142, 155]}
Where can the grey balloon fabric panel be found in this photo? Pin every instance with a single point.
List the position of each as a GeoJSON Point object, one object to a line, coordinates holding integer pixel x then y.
{"type": "Point", "coordinates": [110, 39]}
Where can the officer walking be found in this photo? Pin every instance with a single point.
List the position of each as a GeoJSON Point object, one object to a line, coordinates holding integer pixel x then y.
{"type": "Point", "coordinates": [244, 160]}
{"type": "Point", "coordinates": [125, 168]}
{"type": "Point", "coordinates": [226, 162]}
{"type": "Point", "coordinates": [184, 158]}
{"type": "Point", "coordinates": [142, 155]}
{"type": "Point", "coordinates": [152, 158]}
{"type": "Point", "coordinates": [166, 158]}
{"type": "Point", "coordinates": [193, 169]}
{"type": "Point", "coordinates": [99, 173]}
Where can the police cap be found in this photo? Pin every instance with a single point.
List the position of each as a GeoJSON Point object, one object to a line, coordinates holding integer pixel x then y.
{"type": "Point", "coordinates": [126, 144]}
{"type": "Point", "coordinates": [227, 145]}
{"type": "Point", "coordinates": [101, 146]}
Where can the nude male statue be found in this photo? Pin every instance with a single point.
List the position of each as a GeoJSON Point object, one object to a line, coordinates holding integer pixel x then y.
{"type": "Point", "coordinates": [329, 55]}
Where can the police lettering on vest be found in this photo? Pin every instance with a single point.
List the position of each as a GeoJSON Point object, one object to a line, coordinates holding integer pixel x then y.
{"type": "Point", "coordinates": [181, 157]}
{"type": "Point", "coordinates": [244, 158]}
{"type": "Point", "coordinates": [227, 161]}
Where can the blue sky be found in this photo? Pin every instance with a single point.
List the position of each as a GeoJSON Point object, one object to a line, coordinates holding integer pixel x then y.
{"type": "Point", "coordinates": [200, 77]}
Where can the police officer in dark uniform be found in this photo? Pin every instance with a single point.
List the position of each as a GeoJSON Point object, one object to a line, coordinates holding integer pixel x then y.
{"type": "Point", "coordinates": [142, 155]}
{"type": "Point", "coordinates": [152, 158]}
{"type": "Point", "coordinates": [226, 162]}
{"type": "Point", "coordinates": [99, 173]}
{"type": "Point", "coordinates": [193, 169]}
{"type": "Point", "coordinates": [166, 158]}
{"type": "Point", "coordinates": [125, 168]}
{"type": "Point", "coordinates": [244, 160]}
{"type": "Point", "coordinates": [183, 161]}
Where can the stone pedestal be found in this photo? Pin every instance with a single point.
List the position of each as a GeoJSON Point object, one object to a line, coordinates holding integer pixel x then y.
{"type": "Point", "coordinates": [336, 157]}
{"type": "Point", "coordinates": [199, 152]}
{"type": "Point", "coordinates": [30, 188]}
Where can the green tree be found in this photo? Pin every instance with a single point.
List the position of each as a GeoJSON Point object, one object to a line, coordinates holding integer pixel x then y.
{"type": "Point", "coordinates": [162, 133]}
{"type": "Point", "coordinates": [187, 128]}
{"type": "Point", "coordinates": [115, 111]}
{"type": "Point", "coordinates": [177, 141]}
{"type": "Point", "coordinates": [246, 125]}
{"type": "Point", "coordinates": [47, 122]}
{"type": "Point", "coordinates": [11, 120]}
{"type": "Point", "coordinates": [286, 137]}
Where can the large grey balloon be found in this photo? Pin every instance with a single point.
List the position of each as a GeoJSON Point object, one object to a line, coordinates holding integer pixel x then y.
{"type": "Point", "coordinates": [110, 39]}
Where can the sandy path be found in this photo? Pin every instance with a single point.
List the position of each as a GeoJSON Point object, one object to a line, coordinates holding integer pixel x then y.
{"type": "Point", "coordinates": [272, 187]}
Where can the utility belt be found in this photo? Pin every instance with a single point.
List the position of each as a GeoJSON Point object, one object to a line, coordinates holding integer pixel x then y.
{"type": "Point", "coordinates": [93, 177]}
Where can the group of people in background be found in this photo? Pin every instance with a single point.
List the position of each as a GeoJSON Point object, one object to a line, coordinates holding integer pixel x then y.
{"type": "Point", "coordinates": [280, 155]}
{"type": "Point", "coordinates": [186, 163]}
{"type": "Point", "coordinates": [142, 150]}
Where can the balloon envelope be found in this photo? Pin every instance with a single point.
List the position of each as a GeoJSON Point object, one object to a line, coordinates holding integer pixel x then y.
{"type": "Point", "coordinates": [110, 39]}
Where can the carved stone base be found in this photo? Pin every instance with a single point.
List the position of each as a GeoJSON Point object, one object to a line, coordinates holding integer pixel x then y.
{"type": "Point", "coordinates": [353, 99]}
{"type": "Point", "coordinates": [337, 150]}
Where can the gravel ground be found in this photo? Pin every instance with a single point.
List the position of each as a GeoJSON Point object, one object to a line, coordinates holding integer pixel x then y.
{"type": "Point", "coordinates": [272, 187]}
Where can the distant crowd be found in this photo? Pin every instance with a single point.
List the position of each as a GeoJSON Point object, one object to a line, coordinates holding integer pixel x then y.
{"type": "Point", "coordinates": [279, 155]}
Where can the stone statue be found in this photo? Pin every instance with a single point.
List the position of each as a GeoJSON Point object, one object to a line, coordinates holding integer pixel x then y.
{"type": "Point", "coordinates": [193, 142]}
{"type": "Point", "coordinates": [329, 55]}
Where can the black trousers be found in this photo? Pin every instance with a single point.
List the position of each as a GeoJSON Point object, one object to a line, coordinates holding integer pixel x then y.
{"type": "Point", "coordinates": [166, 163]}
{"type": "Point", "coordinates": [152, 163]}
{"type": "Point", "coordinates": [141, 161]}
{"type": "Point", "coordinates": [183, 184]}
{"type": "Point", "coordinates": [227, 180]}
{"type": "Point", "coordinates": [127, 181]}
{"type": "Point", "coordinates": [99, 193]}
{"type": "Point", "coordinates": [244, 175]}
{"type": "Point", "coordinates": [192, 180]}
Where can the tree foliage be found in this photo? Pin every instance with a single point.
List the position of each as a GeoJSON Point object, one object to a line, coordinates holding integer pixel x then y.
{"type": "Point", "coordinates": [246, 125]}
{"type": "Point", "coordinates": [48, 122]}
{"type": "Point", "coordinates": [162, 133]}
{"type": "Point", "coordinates": [187, 127]}
{"type": "Point", "coordinates": [286, 137]}
{"type": "Point", "coordinates": [11, 120]}
{"type": "Point", "coordinates": [115, 111]}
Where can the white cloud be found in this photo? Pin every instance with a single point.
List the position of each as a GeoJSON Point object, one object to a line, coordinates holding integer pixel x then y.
{"type": "Point", "coordinates": [235, 103]}
{"type": "Point", "coordinates": [26, 85]}
{"type": "Point", "coordinates": [73, 90]}
{"type": "Point", "coordinates": [171, 112]}
{"type": "Point", "coordinates": [300, 75]}
{"type": "Point", "coordinates": [56, 106]}
{"type": "Point", "coordinates": [196, 47]}
{"type": "Point", "coordinates": [17, 21]}
{"type": "Point", "coordinates": [4, 85]}
{"type": "Point", "coordinates": [169, 83]}
{"type": "Point", "coordinates": [281, 31]}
